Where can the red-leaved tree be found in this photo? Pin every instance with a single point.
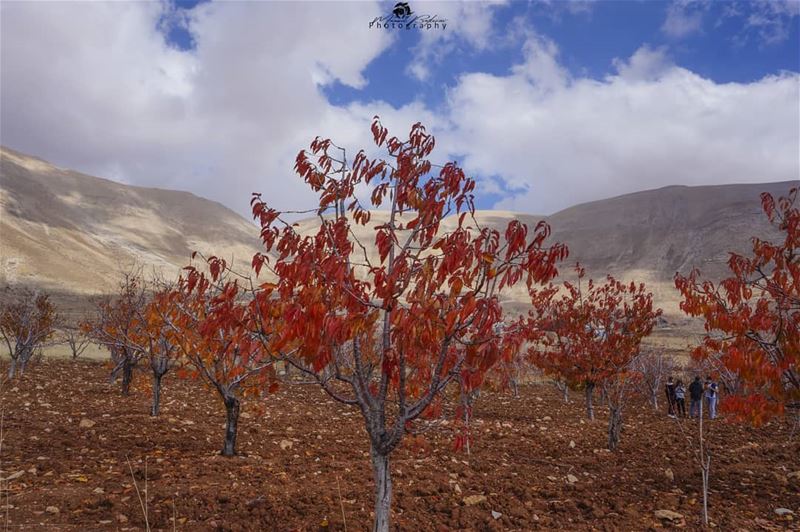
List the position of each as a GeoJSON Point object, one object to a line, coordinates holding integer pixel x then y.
{"type": "Point", "coordinates": [154, 337]}
{"type": "Point", "coordinates": [386, 334]}
{"type": "Point", "coordinates": [224, 338]}
{"type": "Point", "coordinates": [117, 326]}
{"type": "Point", "coordinates": [590, 336]}
{"type": "Point", "coordinates": [27, 322]}
{"type": "Point", "coordinates": [752, 318]}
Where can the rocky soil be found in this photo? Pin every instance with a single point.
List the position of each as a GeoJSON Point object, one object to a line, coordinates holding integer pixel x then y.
{"type": "Point", "coordinates": [72, 447]}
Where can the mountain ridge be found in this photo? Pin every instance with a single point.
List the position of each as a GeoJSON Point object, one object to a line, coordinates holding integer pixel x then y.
{"type": "Point", "coordinates": [72, 232]}
{"type": "Point", "coordinates": [51, 216]}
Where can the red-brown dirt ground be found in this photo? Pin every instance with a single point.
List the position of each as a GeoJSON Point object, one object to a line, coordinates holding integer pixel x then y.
{"type": "Point", "coordinates": [521, 461]}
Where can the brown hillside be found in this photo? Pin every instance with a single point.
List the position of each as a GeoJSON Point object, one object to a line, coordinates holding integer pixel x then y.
{"type": "Point", "coordinates": [72, 233]}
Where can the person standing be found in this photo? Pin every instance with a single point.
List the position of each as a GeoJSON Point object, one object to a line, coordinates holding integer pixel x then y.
{"type": "Point", "coordinates": [696, 396]}
{"type": "Point", "coordinates": [669, 389]}
{"type": "Point", "coordinates": [680, 399]}
{"type": "Point", "coordinates": [711, 397]}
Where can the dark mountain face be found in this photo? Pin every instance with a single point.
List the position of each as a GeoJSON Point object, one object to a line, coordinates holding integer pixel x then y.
{"type": "Point", "coordinates": [668, 230]}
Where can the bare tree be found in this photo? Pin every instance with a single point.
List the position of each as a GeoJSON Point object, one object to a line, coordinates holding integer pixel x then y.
{"type": "Point", "coordinates": [652, 368]}
{"type": "Point", "coordinates": [466, 398]}
{"type": "Point", "coordinates": [27, 322]}
{"type": "Point", "coordinates": [562, 386]}
{"type": "Point", "coordinates": [616, 391]}
{"type": "Point", "coordinates": [702, 455]}
{"type": "Point", "coordinates": [515, 372]}
{"type": "Point", "coordinates": [714, 365]}
{"type": "Point", "coordinates": [76, 340]}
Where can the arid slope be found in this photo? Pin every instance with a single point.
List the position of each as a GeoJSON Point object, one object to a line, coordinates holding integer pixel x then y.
{"type": "Point", "coordinates": [646, 236]}
{"type": "Point", "coordinates": [71, 232]}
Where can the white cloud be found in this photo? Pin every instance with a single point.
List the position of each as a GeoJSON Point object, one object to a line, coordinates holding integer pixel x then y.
{"type": "Point", "coordinates": [684, 17]}
{"type": "Point", "coordinates": [768, 22]}
{"type": "Point", "coordinates": [80, 81]}
{"type": "Point", "coordinates": [579, 7]}
{"type": "Point", "coordinates": [541, 67]}
{"type": "Point", "coordinates": [468, 23]}
{"type": "Point", "coordinates": [556, 9]}
{"type": "Point", "coordinates": [645, 64]}
{"type": "Point", "coordinates": [651, 125]}
{"type": "Point", "coordinates": [772, 20]}
{"type": "Point", "coordinates": [94, 86]}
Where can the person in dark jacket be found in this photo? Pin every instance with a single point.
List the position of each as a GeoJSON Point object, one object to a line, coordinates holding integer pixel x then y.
{"type": "Point", "coordinates": [669, 389]}
{"type": "Point", "coordinates": [696, 396]}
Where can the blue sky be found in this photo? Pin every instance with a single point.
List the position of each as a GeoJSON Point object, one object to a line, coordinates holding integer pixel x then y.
{"type": "Point", "coordinates": [546, 103]}
{"type": "Point", "coordinates": [722, 48]}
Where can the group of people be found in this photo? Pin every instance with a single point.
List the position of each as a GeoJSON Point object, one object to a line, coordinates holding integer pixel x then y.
{"type": "Point", "coordinates": [676, 397]}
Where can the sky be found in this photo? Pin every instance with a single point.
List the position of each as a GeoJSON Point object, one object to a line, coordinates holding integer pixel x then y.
{"type": "Point", "coordinates": [546, 103]}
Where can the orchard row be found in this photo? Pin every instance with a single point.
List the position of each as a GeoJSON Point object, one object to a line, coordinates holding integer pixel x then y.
{"type": "Point", "coordinates": [389, 334]}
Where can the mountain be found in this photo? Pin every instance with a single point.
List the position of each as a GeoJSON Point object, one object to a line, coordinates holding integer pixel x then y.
{"type": "Point", "coordinates": [645, 236]}
{"type": "Point", "coordinates": [650, 235]}
{"type": "Point", "coordinates": [69, 232]}
{"type": "Point", "coordinates": [73, 233]}
{"type": "Point", "coordinates": [669, 229]}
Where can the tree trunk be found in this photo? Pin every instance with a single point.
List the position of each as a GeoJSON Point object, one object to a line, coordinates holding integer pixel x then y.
{"type": "Point", "coordinates": [614, 427]}
{"type": "Point", "coordinates": [467, 412]}
{"type": "Point", "coordinates": [515, 388]}
{"type": "Point", "coordinates": [704, 471]}
{"type": "Point", "coordinates": [12, 367]}
{"type": "Point", "coordinates": [231, 425]}
{"type": "Point", "coordinates": [383, 490]}
{"type": "Point", "coordinates": [654, 397]}
{"type": "Point", "coordinates": [566, 393]}
{"type": "Point", "coordinates": [589, 404]}
{"type": "Point", "coordinates": [705, 465]}
{"type": "Point", "coordinates": [116, 359]}
{"type": "Point", "coordinates": [24, 356]}
{"type": "Point", "coordinates": [127, 377]}
{"type": "Point", "coordinates": [156, 394]}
